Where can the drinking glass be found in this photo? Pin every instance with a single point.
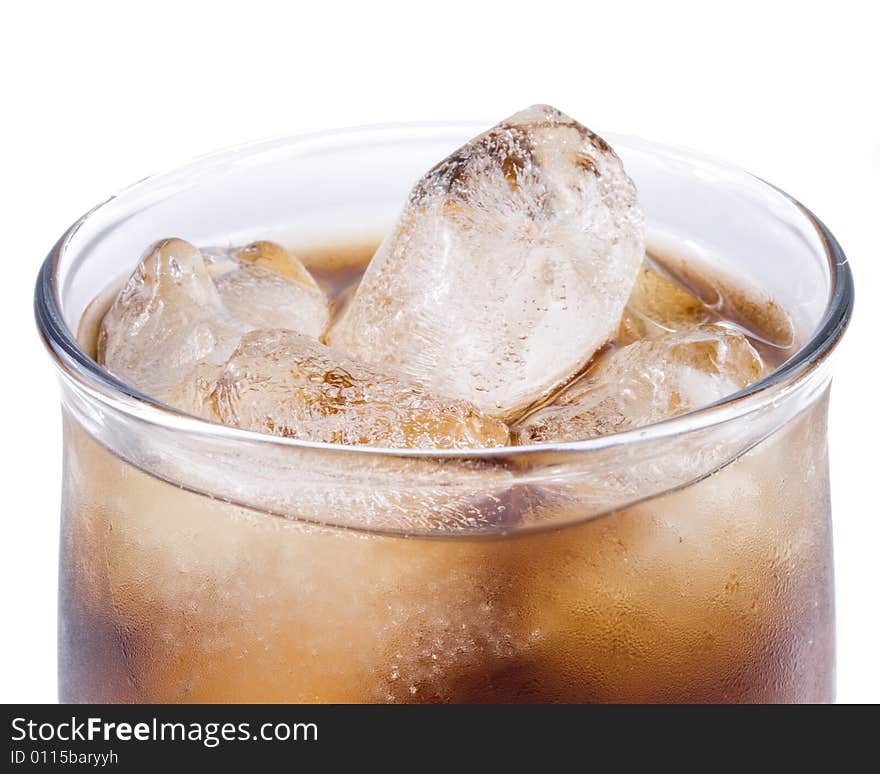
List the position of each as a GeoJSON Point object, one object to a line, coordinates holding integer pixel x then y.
{"type": "Point", "coordinates": [687, 561]}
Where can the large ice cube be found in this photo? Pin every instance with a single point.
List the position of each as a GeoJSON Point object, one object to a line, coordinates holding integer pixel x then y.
{"type": "Point", "coordinates": [645, 382]}
{"type": "Point", "coordinates": [508, 268]}
{"type": "Point", "coordinates": [284, 383]}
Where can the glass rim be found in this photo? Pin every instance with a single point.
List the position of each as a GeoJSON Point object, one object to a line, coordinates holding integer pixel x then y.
{"type": "Point", "coordinates": [75, 364]}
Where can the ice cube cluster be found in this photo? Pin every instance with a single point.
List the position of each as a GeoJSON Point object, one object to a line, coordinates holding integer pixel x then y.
{"type": "Point", "coordinates": [512, 302]}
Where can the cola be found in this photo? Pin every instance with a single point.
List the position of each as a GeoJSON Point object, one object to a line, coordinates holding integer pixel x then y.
{"type": "Point", "coordinates": [718, 592]}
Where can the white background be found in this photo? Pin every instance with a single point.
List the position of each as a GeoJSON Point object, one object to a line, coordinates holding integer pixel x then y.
{"type": "Point", "coordinates": [97, 95]}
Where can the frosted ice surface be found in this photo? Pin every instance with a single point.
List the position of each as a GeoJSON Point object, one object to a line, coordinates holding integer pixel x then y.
{"type": "Point", "coordinates": [182, 313]}
{"type": "Point", "coordinates": [284, 383]}
{"type": "Point", "coordinates": [645, 382]}
{"type": "Point", "coordinates": [508, 268]}
{"type": "Point", "coordinates": [166, 322]}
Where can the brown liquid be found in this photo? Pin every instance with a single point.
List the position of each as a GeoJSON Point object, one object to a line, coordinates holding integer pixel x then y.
{"type": "Point", "coordinates": [718, 592]}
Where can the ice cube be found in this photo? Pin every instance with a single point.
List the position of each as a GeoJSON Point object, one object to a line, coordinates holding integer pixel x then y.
{"type": "Point", "coordinates": [265, 286]}
{"type": "Point", "coordinates": [508, 268]}
{"type": "Point", "coordinates": [167, 320]}
{"type": "Point", "coordinates": [183, 312]}
{"type": "Point", "coordinates": [273, 256]}
{"type": "Point", "coordinates": [284, 383]}
{"type": "Point", "coordinates": [659, 305]}
{"type": "Point", "coordinates": [645, 382]}
{"type": "Point", "coordinates": [737, 299]}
